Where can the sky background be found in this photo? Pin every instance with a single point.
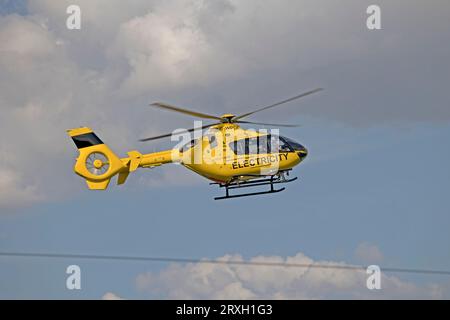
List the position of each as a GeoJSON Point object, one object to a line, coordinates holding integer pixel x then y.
{"type": "Point", "coordinates": [374, 188]}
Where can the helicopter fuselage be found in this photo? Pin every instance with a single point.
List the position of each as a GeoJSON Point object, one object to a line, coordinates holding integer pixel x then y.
{"type": "Point", "coordinates": [227, 152]}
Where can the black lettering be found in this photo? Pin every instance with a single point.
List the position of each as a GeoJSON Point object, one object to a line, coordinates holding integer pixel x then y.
{"type": "Point", "coordinates": [234, 165]}
{"type": "Point", "coordinates": [246, 163]}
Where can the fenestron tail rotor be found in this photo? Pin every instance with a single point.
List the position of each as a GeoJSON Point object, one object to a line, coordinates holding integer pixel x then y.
{"type": "Point", "coordinates": [97, 163]}
{"type": "Point", "coordinates": [227, 118]}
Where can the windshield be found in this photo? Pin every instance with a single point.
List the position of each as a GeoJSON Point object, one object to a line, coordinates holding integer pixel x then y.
{"type": "Point", "coordinates": [294, 145]}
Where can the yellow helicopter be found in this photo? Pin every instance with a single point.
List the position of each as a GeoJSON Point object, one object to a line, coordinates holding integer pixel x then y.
{"type": "Point", "coordinates": [230, 156]}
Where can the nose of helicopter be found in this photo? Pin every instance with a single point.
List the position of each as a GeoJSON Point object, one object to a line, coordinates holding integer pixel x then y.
{"type": "Point", "coordinates": [302, 152]}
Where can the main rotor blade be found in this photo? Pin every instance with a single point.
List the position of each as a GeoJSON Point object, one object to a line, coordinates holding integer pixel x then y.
{"type": "Point", "coordinates": [279, 103]}
{"type": "Point", "coordinates": [169, 134]}
{"type": "Point", "coordinates": [166, 106]}
{"type": "Point", "coordinates": [269, 124]}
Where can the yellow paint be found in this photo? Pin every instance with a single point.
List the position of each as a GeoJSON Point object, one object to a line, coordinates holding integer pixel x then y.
{"type": "Point", "coordinates": [218, 163]}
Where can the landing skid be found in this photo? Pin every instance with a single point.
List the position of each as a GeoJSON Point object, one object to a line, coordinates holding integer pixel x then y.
{"type": "Point", "coordinates": [275, 179]}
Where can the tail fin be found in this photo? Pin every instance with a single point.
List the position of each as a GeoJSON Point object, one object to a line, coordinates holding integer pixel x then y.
{"type": "Point", "coordinates": [96, 162]}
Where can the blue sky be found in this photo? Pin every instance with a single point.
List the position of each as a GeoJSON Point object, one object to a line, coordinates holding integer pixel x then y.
{"type": "Point", "coordinates": [390, 190]}
{"type": "Point", "coordinates": [13, 6]}
{"type": "Point", "coordinates": [377, 170]}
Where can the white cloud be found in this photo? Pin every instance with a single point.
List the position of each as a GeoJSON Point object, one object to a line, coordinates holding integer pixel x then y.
{"type": "Point", "coordinates": [24, 37]}
{"type": "Point", "coordinates": [39, 100]}
{"type": "Point", "coordinates": [13, 190]}
{"type": "Point", "coordinates": [210, 54]}
{"type": "Point", "coordinates": [368, 253]}
{"type": "Point", "coordinates": [165, 50]}
{"type": "Point", "coordinates": [227, 281]}
{"type": "Point", "coordinates": [111, 296]}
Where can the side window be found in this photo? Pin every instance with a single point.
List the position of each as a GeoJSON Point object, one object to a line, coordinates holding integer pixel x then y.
{"type": "Point", "coordinates": [188, 145]}
{"type": "Point", "coordinates": [275, 143]}
{"type": "Point", "coordinates": [212, 141]}
{"type": "Point", "coordinates": [238, 147]}
{"type": "Point", "coordinates": [263, 145]}
{"type": "Point", "coordinates": [253, 145]}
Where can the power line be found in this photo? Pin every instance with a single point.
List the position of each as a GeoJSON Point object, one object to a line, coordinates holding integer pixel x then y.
{"type": "Point", "coordinates": [245, 263]}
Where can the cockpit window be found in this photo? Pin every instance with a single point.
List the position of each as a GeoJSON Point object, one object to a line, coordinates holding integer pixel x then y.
{"type": "Point", "coordinates": [293, 144]}
{"type": "Point", "coordinates": [264, 144]}
{"type": "Point", "coordinates": [279, 144]}
{"type": "Point", "coordinates": [284, 145]}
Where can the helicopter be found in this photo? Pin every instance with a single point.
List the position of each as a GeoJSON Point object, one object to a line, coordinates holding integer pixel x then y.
{"type": "Point", "coordinates": [226, 154]}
